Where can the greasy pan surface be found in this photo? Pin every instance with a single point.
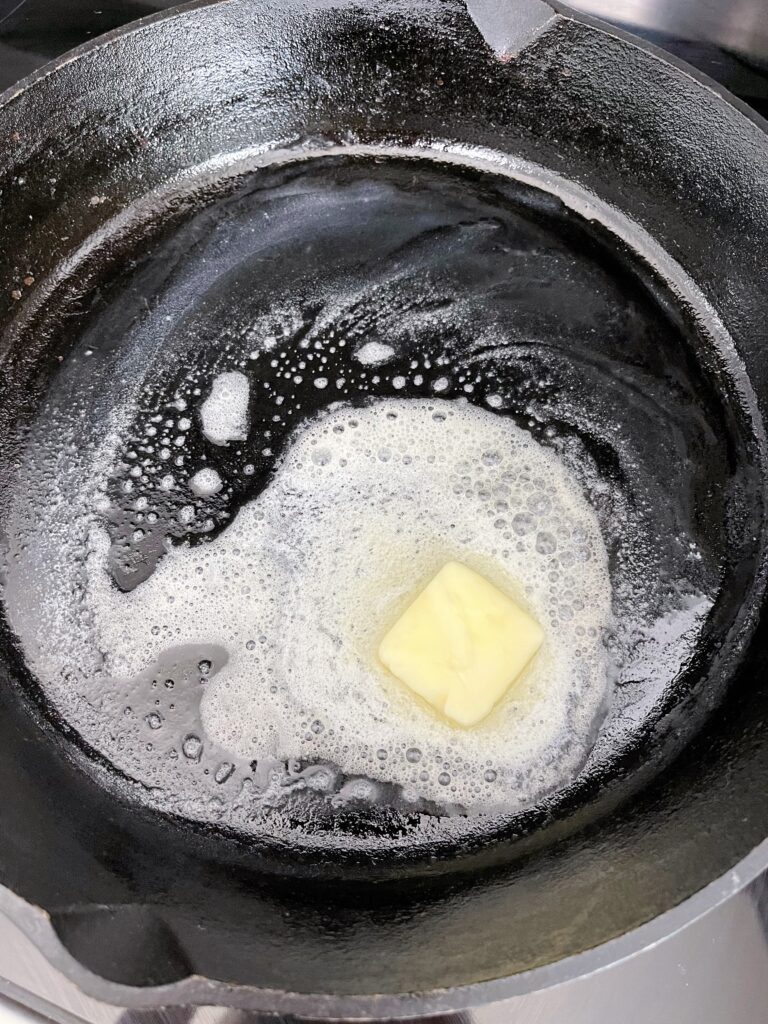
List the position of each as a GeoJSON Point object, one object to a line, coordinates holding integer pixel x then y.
{"type": "Point", "coordinates": [578, 228]}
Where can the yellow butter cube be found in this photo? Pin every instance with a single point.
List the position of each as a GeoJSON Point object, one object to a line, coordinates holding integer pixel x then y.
{"type": "Point", "coordinates": [461, 644]}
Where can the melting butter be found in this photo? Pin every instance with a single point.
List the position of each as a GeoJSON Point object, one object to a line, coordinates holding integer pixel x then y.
{"type": "Point", "coordinates": [461, 644]}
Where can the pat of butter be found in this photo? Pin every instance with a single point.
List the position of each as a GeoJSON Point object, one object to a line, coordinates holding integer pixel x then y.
{"type": "Point", "coordinates": [461, 644]}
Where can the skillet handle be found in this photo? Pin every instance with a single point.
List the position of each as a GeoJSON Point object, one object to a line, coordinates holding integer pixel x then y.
{"type": "Point", "coordinates": [509, 26]}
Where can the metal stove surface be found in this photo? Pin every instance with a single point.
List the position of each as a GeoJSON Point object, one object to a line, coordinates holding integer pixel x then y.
{"type": "Point", "coordinates": [713, 971]}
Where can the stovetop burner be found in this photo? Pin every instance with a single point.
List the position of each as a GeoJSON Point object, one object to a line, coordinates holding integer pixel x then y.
{"type": "Point", "coordinates": [715, 969]}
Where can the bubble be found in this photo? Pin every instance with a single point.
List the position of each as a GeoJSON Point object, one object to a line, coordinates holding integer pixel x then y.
{"type": "Point", "coordinates": [413, 755]}
{"type": "Point", "coordinates": [374, 353]}
{"type": "Point", "coordinates": [358, 789]}
{"type": "Point", "coordinates": [205, 483]}
{"type": "Point", "coordinates": [321, 779]}
{"type": "Point", "coordinates": [224, 413]}
{"type": "Point", "coordinates": [192, 747]}
{"type": "Point", "coordinates": [523, 523]}
{"type": "Point", "coordinates": [545, 543]}
{"type": "Point", "coordinates": [538, 503]}
{"type": "Point", "coordinates": [224, 772]}
{"type": "Point", "coordinates": [154, 720]}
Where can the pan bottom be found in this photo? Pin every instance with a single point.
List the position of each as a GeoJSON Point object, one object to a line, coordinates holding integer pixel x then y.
{"type": "Point", "coordinates": [414, 279]}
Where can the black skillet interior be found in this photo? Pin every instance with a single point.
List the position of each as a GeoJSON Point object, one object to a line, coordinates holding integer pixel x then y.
{"type": "Point", "coordinates": [518, 297]}
{"type": "Point", "coordinates": [484, 289]}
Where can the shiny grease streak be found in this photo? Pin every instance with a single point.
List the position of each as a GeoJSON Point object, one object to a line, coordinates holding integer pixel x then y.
{"type": "Point", "coordinates": [464, 289]}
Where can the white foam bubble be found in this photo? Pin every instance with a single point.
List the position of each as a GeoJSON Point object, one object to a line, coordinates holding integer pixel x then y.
{"type": "Point", "coordinates": [224, 413]}
{"type": "Point", "coordinates": [374, 353]}
{"type": "Point", "coordinates": [365, 507]}
{"type": "Point", "coordinates": [206, 482]}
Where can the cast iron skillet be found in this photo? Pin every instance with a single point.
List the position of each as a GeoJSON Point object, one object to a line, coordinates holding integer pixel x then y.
{"type": "Point", "coordinates": [625, 191]}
